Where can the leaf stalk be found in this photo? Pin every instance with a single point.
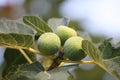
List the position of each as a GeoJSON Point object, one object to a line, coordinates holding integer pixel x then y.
{"type": "Point", "coordinates": [25, 55]}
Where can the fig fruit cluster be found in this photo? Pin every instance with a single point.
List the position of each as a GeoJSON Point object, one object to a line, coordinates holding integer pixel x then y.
{"type": "Point", "coordinates": [50, 43]}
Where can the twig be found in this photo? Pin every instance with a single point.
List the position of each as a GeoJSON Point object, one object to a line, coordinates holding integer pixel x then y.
{"type": "Point", "coordinates": [78, 62]}
{"type": "Point", "coordinates": [57, 61]}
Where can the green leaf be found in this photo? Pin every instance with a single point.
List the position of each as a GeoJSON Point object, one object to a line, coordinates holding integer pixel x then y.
{"type": "Point", "coordinates": [91, 50]}
{"type": "Point", "coordinates": [110, 64]}
{"type": "Point", "coordinates": [15, 35]}
{"type": "Point", "coordinates": [75, 25]}
{"type": "Point", "coordinates": [38, 24]}
{"type": "Point", "coordinates": [25, 72]}
{"type": "Point", "coordinates": [116, 52]}
{"type": "Point", "coordinates": [113, 66]}
{"type": "Point", "coordinates": [62, 73]}
{"type": "Point", "coordinates": [55, 22]}
{"type": "Point", "coordinates": [12, 40]}
{"type": "Point", "coordinates": [111, 57]}
{"type": "Point", "coordinates": [11, 26]}
{"type": "Point", "coordinates": [42, 76]}
{"type": "Point", "coordinates": [107, 49]}
{"type": "Point", "coordinates": [84, 35]}
{"type": "Point", "coordinates": [95, 73]}
{"type": "Point", "coordinates": [14, 57]}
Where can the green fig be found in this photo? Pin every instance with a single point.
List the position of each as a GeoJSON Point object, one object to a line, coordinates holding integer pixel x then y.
{"type": "Point", "coordinates": [72, 49]}
{"type": "Point", "coordinates": [49, 43]}
{"type": "Point", "coordinates": [64, 33]}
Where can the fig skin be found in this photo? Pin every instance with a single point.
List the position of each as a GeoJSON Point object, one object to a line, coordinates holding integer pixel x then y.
{"type": "Point", "coordinates": [64, 33]}
{"type": "Point", "coordinates": [49, 43]}
{"type": "Point", "coordinates": [72, 49]}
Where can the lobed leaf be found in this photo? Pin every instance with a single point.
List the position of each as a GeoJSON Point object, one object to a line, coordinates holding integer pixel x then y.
{"type": "Point", "coordinates": [84, 35]}
{"type": "Point", "coordinates": [42, 76]}
{"type": "Point", "coordinates": [12, 40]}
{"type": "Point", "coordinates": [107, 57]}
{"type": "Point", "coordinates": [111, 57]}
{"type": "Point", "coordinates": [106, 48]}
{"type": "Point", "coordinates": [15, 35]}
{"type": "Point", "coordinates": [35, 71]}
{"type": "Point", "coordinates": [25, 72]}
{"type": "Point", "coordinates": [91, 50]}
{"type": "Point", "coordinates": [55, 22]}
{"type": "Point", "coordinates": [38, 24]}
{"type": "Point", "coordinates": [14, 57]}
{"type": "Point", "coordinates": [62, 73]}
{"type": "Point", "coordinates": [10, 26]}
{"type": "Point", "coordinates": [113, 66]}
{"type": "Point", "coordinates": [75, 25]}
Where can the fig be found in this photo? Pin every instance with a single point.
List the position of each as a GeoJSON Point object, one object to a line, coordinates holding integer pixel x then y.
{"type": "Point", "coordinates": [49, 43]}
{"type": "Point", "coordinates": [72, 49]}
{"type": "Point", "coordinates": [64, 33]}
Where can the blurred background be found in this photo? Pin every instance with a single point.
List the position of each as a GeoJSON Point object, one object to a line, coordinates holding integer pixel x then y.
{"type": "Point", "coordinates": [100, 18]}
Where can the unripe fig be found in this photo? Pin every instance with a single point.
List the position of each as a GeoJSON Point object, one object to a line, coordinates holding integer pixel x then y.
{"type": "Point", "coordinates": [72, 49]}
{"type": "Point", "coordinates": [49, 43]}
{"type": "Point", "coordinates": [65, 32]}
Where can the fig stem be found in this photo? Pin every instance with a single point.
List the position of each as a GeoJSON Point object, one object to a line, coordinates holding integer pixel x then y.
{"type": "Point", "coordinates": [38, 52]}
{"type": "Point", "coordinates": [25, 55]}
{"type": "Point", "coordinates": [33, 50]}
{"type": "Point", "coordinates": [78, 62]}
